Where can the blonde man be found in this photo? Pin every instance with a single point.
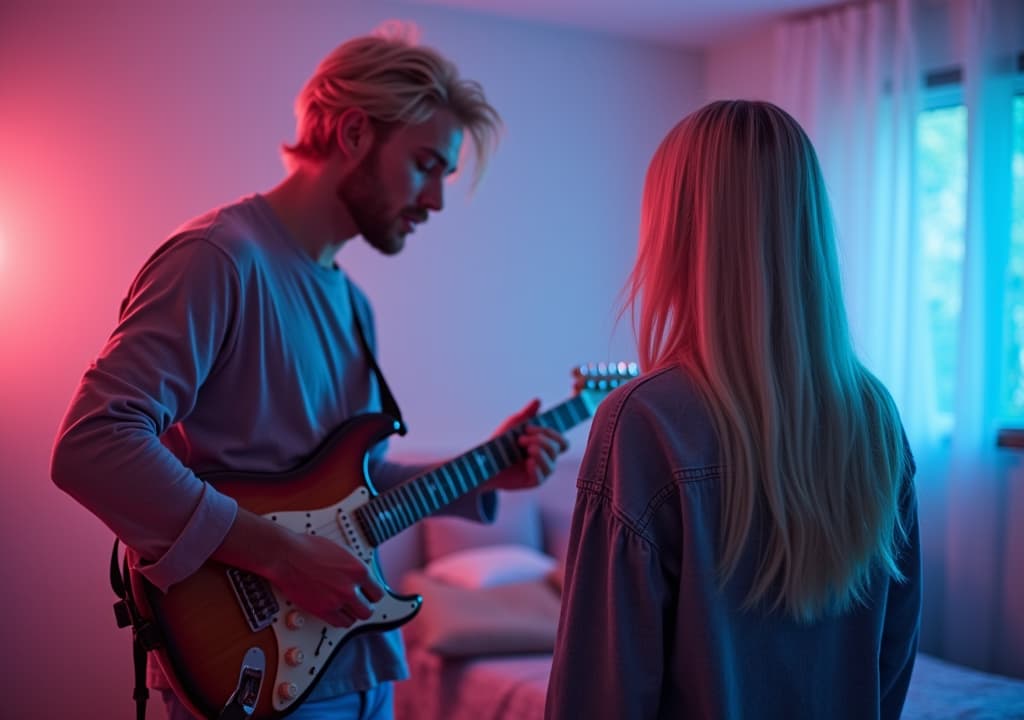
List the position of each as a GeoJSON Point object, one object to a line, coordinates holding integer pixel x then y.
{"type": "Point", "coordinates": [239, 348]}
{"type": "Point", "coordinates": [745, 537]}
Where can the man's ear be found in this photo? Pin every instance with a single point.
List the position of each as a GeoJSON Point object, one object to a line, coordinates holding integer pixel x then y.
{"type": "Point", "coordinates": [355, 134]}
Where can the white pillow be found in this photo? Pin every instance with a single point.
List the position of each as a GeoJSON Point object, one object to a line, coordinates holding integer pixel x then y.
{"type": "Point", "coordinates": [491, 565]}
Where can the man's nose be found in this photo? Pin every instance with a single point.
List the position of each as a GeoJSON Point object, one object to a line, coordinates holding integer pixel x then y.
{"type": "Point", "coordinates": [432, 196]}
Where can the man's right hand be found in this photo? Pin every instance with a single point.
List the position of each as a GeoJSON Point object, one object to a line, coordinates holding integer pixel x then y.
{"type": "Point", "coordinates": [320, 576]}
{"type": "Point", "coordinates": [325, 579]}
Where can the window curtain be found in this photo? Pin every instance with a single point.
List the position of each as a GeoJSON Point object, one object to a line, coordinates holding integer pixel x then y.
{"type": "Point", "coordinates": [853, 77]}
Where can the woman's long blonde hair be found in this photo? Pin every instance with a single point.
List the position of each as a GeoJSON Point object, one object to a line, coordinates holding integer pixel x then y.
{"type": "Point", "coordinates": [737, 280]}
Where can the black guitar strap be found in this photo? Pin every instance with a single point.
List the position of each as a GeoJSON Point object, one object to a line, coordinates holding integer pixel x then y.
{"type": "Point", "coordinates": [387, 399]}
{"type": "Point", "coordinates": [145, 634]}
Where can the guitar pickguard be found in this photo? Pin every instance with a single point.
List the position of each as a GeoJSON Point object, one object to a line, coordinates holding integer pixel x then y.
{"type": "Point", "coordinates": [305, 643]}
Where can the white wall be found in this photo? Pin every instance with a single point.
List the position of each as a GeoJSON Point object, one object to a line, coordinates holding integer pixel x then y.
{"type": "Point", "coordinates": [119, 120]}
{"type": "Point", "coordinates": [741, 68]}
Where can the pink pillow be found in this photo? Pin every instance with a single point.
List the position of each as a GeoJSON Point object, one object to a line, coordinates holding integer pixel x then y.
{"type": "Point", "coordinates": [505, 619]}
{"type": "Point", "coordinates": [490, 566]}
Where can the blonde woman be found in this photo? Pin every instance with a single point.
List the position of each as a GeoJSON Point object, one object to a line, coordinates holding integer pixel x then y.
{"type": "Point", "coordinates": [242, 345]}
{"type": "Point", "coordinates": [744, 543]}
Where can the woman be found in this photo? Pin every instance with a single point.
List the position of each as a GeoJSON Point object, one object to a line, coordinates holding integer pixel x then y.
{"type": "Point", "coordinates": [744, 543]}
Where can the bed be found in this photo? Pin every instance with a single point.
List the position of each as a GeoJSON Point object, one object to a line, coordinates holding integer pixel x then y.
{"type": "Point", "coordinates": [480, 648]}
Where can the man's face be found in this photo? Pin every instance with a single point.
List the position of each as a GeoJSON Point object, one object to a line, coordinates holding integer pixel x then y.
{"type": "Point", "coordinates": [401, 180]}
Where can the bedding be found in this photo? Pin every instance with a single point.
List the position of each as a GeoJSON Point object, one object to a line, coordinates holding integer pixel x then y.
{"type": "Point", "coordinates": [514, 688]}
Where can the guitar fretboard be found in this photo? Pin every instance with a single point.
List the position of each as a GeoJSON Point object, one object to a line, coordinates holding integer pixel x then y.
{"type": "Point", "coordinates": [394, 510]}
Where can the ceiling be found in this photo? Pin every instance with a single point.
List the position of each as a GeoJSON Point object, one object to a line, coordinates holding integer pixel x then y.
{"type": "Point", "coordinates": [685, 23]}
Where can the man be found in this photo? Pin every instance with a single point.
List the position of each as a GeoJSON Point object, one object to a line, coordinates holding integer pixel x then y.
{"type": "Point", "coordinates": [239, 347]}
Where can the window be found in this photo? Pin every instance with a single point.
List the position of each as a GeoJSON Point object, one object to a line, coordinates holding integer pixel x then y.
{"type": "Point", "coordinates": [941, 204]}
{"type": "Point", "coordinates": [941, 212]}
{"type": "Point", "coordinates": [1014, 346]}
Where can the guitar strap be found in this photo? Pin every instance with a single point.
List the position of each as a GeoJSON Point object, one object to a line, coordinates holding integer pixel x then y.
{"type": "Point", "coordinates": [145, 634]}
{"type": "Point", "coordinates": [387, 399]}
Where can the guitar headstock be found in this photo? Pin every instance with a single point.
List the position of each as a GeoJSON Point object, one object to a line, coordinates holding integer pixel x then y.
{"type": "Point", "coordinates": [594, 381]}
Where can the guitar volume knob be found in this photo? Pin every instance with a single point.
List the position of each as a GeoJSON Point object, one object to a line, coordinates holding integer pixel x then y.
{"type": "Point", "coordinates": [295, 620]}
{"type": "Point", "coordinates": [294, 656]}
{"type": "Point", "coordinates": [287, 690]}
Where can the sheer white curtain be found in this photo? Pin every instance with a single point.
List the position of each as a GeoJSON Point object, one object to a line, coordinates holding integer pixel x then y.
{"type": "Point", "coordinates": [984, 611]}
{"type": "Point", "coordinates": [853, 78]}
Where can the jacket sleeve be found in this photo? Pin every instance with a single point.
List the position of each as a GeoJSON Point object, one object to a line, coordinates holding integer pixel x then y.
{"type": "Point", "coordinates": [175, 323]}
{"type": "Point", "coordinates": [610, 651]}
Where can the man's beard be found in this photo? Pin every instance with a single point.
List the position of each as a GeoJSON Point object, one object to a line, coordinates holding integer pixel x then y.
{"type": "Point", "coordinates": [365, 197]}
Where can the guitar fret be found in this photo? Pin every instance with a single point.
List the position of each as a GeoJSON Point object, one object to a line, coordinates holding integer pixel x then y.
{"type": "Point", "coordinates": [570, 409]}
{"type": "Point", "coordinates": [378, 529]}
{"type": "Point", "coordinates": [564, 416]}
{"type": "Point", "coordinates": [433, 492]}
{"type": "Point", "coordinates": [466, 470]}
{"type": "Point", "coordinates": [447, 482]}
{"type": "Point", "coordinates": [416, 500]}
{"type": "Point", "coordinates": [408, 509]}
{"type": "Point", "coordinates": [480, 471]}
{"type": "Point", "coordinates": [400, 517]}
{"type": "Point", "coordinates": [471, 479]}
{"type": "Point", "coordinates": [366, 526]}
{"type": "Point", "coordinates": [579, 410]}
{"type": "Point", "coordinates": [386, 516]}
{"type": "Point", "coordinates": [493, 464]}
{"type": "Point", "coordinates": [484, 464]}
{"type": "Point", "coordinates": [418, 492]}
{"type": "Point", "coordinates": [499, 444]}
{"type": "Point", "coordinates": [511, 448]}
{"type": "Point", "coordinates": [408, 506]}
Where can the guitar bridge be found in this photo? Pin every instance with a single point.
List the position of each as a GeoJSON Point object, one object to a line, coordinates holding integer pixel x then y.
{"type": "Point", "coordinates": [256, 598]}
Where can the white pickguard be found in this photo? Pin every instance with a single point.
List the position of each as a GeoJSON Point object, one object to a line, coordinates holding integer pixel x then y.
{"type": "Point", "coordinates": [303, 650]}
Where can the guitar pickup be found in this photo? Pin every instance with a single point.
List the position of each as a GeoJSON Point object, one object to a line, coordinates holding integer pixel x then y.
{"type": "Point", "coordinates": [256, 598]}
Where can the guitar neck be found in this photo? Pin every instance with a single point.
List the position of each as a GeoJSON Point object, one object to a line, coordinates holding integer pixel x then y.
{"type": "Point", "coordinates": [394, 510]}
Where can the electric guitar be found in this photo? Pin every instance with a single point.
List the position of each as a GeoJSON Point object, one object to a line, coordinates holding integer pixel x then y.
{"type": "Point", "coordinates": [233, 646]}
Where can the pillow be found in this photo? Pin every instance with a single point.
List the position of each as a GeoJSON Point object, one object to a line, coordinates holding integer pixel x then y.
{"type": "Point", "coordinates": [490, 566]}
{"type": "Point", "coordinates": [456, 622]}
{"type": "Point", "coordinates": [517, 522]}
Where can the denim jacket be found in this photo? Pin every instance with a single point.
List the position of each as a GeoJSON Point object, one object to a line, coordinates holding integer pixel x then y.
{"type": "Point", "coordinates": [646, 630]}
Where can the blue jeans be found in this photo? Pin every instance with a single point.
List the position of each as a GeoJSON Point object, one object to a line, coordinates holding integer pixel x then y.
{"type": "Point", "coordinates": [373, 704]}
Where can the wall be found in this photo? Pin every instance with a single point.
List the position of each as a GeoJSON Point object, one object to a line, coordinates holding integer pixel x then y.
{"type": "Point", "coordinates": [119, 120]}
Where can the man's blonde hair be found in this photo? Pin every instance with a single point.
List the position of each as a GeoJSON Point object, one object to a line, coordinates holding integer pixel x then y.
{"type": "Point", "coordinates": [396, 82]}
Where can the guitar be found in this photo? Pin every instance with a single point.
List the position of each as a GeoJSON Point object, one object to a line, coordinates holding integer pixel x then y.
{"type": "Point", "coordinates": [232, 645]}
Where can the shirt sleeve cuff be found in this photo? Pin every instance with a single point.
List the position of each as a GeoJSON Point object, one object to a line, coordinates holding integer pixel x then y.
{"type": "Point", "coordinates": [202, 535]}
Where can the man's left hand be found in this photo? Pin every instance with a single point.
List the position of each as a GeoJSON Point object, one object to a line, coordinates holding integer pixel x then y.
{"type": "Point", "coordinates": [541, 445]}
